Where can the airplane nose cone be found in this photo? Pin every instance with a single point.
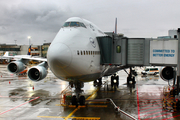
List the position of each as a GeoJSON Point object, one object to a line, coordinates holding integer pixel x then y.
{"type": "Point", "coordinates": [59, 56]}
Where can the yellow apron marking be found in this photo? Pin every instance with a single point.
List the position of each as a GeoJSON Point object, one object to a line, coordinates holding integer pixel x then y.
{"type": "Point", "coordinates": [71, 113]}
{"type": "Point", "coordinates": [79, 106]}
{"type": "Point", "coordinates": [92, 94]}
{"type": "Point", "coordinates": [97, 105]}
{"type": "Point", "coordinates": [86, 118]}
{"type": "Point", "coordinates": [77, 118]}
{"type": "Point", "coordinates": [99, 102]}
{"type": "Point", "coordinates": [84, 106]}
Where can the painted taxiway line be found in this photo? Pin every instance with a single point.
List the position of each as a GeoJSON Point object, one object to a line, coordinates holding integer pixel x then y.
{"type": "Point", "coordinates": [66, 118]}
{"type": "Point", "coordinates": [18, 106]}
{"type": "Point", "coordinates": [138, 102]}
{"type": "Point", "coordinates": [73, 106]}
{"type": "Point", "coordinates": [78, 118]}
{"type": "Point", "coordinates": [93, 94]}
{"type": "Point", "coordinates": [15, 97]}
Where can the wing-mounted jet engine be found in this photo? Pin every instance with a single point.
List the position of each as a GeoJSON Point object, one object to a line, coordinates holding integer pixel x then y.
{"type": "Point", "coordinates": [17, 66]}
{"type": "Point", "coordinates": [38, 72]}
{"type": "Point", "coordinates": [167, 73]}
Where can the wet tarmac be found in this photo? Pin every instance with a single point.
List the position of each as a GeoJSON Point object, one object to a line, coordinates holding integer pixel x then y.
{"type": "Point", "coordinates": [22, 99]}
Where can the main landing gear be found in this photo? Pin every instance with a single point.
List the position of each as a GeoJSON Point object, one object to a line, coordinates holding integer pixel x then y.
{"type": "Point", "coordinates": [77, 99]}
{"type": "Point", "coordinates": [114, 81]}
{"type": "Point", "coordinates": [98, 82]}
{"type": "Point", "coordinates": [131, 78]}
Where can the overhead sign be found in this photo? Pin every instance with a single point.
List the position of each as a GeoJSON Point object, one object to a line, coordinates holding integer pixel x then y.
{"type": "Point", "coordinates": [163, 51]}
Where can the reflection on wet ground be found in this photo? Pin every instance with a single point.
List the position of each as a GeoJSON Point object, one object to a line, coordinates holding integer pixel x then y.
{"type": "Point", "coordinates": [22, 99]}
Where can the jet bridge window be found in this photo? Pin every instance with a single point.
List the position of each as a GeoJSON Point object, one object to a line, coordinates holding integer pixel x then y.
{"type": "Point", "coordinates": [118, 49]}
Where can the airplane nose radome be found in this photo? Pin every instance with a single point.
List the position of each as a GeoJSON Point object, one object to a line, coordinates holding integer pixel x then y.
{"type": "Point", "coordinates": [59, 56]}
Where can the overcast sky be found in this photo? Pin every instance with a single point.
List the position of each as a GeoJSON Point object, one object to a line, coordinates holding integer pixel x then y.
{"type": "Point", "coordinates": [42, 19]}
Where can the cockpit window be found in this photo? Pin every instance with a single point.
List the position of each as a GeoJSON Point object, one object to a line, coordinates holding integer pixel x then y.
{"type": "Point", "coordinates": [74, 24]}
{"type": "Point", "coordinates": [66, 24]}
{"type": "Point", "coordinates": [82, 25]}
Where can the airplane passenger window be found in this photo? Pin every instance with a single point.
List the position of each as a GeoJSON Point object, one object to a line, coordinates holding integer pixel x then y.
{"type": "Point", "coordinates": [78, 52]}
{"type": "Point", "coordinates": [86, 52]}
{"type": "Point", "coordinates": [81, 53]}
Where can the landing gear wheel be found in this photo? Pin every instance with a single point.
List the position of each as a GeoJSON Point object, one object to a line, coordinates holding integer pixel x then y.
{"type": "Point", "coordinates": [117, 81]}
{"type": "Point", "coordinates": [133, 80]}
{"type": "Point", "coordinates": [98, 82]}
{"type": "Point", "coordinates": [112, 81]}
{"type": "Point", "coordinates": [74, 100]}
{"type": "Point", "coordinates": [82, 100]}
{"type": "Point", "coordinates": [71, 84]}
{"type": "Point", "coordinates": [95, 83]}
{"type": "Point", "coordinates": [128, 79]}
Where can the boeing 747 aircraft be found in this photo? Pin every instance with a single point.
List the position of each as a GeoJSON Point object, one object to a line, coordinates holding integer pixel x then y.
{"type": "Point", "coordinates": [73, 56]}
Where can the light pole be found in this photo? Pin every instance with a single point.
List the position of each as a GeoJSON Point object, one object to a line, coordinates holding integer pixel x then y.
{"type": "Point", "coordinates": [15, 41]}
{"type": "Point", "coordinates": [29, 37]}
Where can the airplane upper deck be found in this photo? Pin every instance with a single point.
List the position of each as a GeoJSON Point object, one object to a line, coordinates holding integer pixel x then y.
{"type": "Point", "coordinates": [77, 22]}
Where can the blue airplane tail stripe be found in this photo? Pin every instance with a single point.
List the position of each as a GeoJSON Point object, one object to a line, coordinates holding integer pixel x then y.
{"type": "Point", "coordinates": [29, 50]}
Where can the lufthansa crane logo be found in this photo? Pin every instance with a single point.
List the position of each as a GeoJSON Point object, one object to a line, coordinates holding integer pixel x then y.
{"type": "Point", "coordinates": [93, 43]}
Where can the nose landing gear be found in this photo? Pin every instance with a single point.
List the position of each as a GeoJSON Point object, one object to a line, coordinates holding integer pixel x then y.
{"type": "Point", "coordinates": [77, 99]}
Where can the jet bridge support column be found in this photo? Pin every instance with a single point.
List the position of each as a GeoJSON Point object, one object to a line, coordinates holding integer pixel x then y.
{"type": "Point", "coordinates": [178, 61]}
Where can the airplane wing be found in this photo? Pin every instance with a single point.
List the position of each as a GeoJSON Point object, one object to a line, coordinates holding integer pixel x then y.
{"type": "Point", "coordinates": [34, 58]}
{"type": "Point", "coordinates": [23, 57]}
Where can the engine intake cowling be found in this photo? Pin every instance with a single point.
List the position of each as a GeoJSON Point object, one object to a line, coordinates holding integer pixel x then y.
{"type": "Point", "coordinates": [16, 67]}
{"type": "Point", "coordinates": [167, 73]}
{"type": "Point", "coordinates": [37, 73]}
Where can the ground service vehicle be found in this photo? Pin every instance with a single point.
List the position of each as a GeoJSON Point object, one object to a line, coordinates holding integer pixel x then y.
{"type": "Point", "coordinates": [150, 70]}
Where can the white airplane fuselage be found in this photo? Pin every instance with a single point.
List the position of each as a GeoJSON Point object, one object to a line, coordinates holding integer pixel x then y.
{"type": "Point", "coordinates": [74, 53]}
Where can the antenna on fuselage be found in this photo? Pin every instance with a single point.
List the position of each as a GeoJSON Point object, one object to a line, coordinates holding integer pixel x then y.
{"type": "Point", "coordinates": [115, 26]}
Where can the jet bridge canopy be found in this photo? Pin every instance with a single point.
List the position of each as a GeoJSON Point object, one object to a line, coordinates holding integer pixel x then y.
{"type": "Point", "coordinates": [105, 44]}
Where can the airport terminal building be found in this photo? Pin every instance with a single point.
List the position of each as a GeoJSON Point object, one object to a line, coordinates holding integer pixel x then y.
{"type": "Point", "coordinates": [14, 49]}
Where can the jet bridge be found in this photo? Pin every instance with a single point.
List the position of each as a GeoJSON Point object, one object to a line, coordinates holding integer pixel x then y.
{"type": "Point", "coordinates": [123, 51]}
{"type": "Point", "coordinates": [117, 50]}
